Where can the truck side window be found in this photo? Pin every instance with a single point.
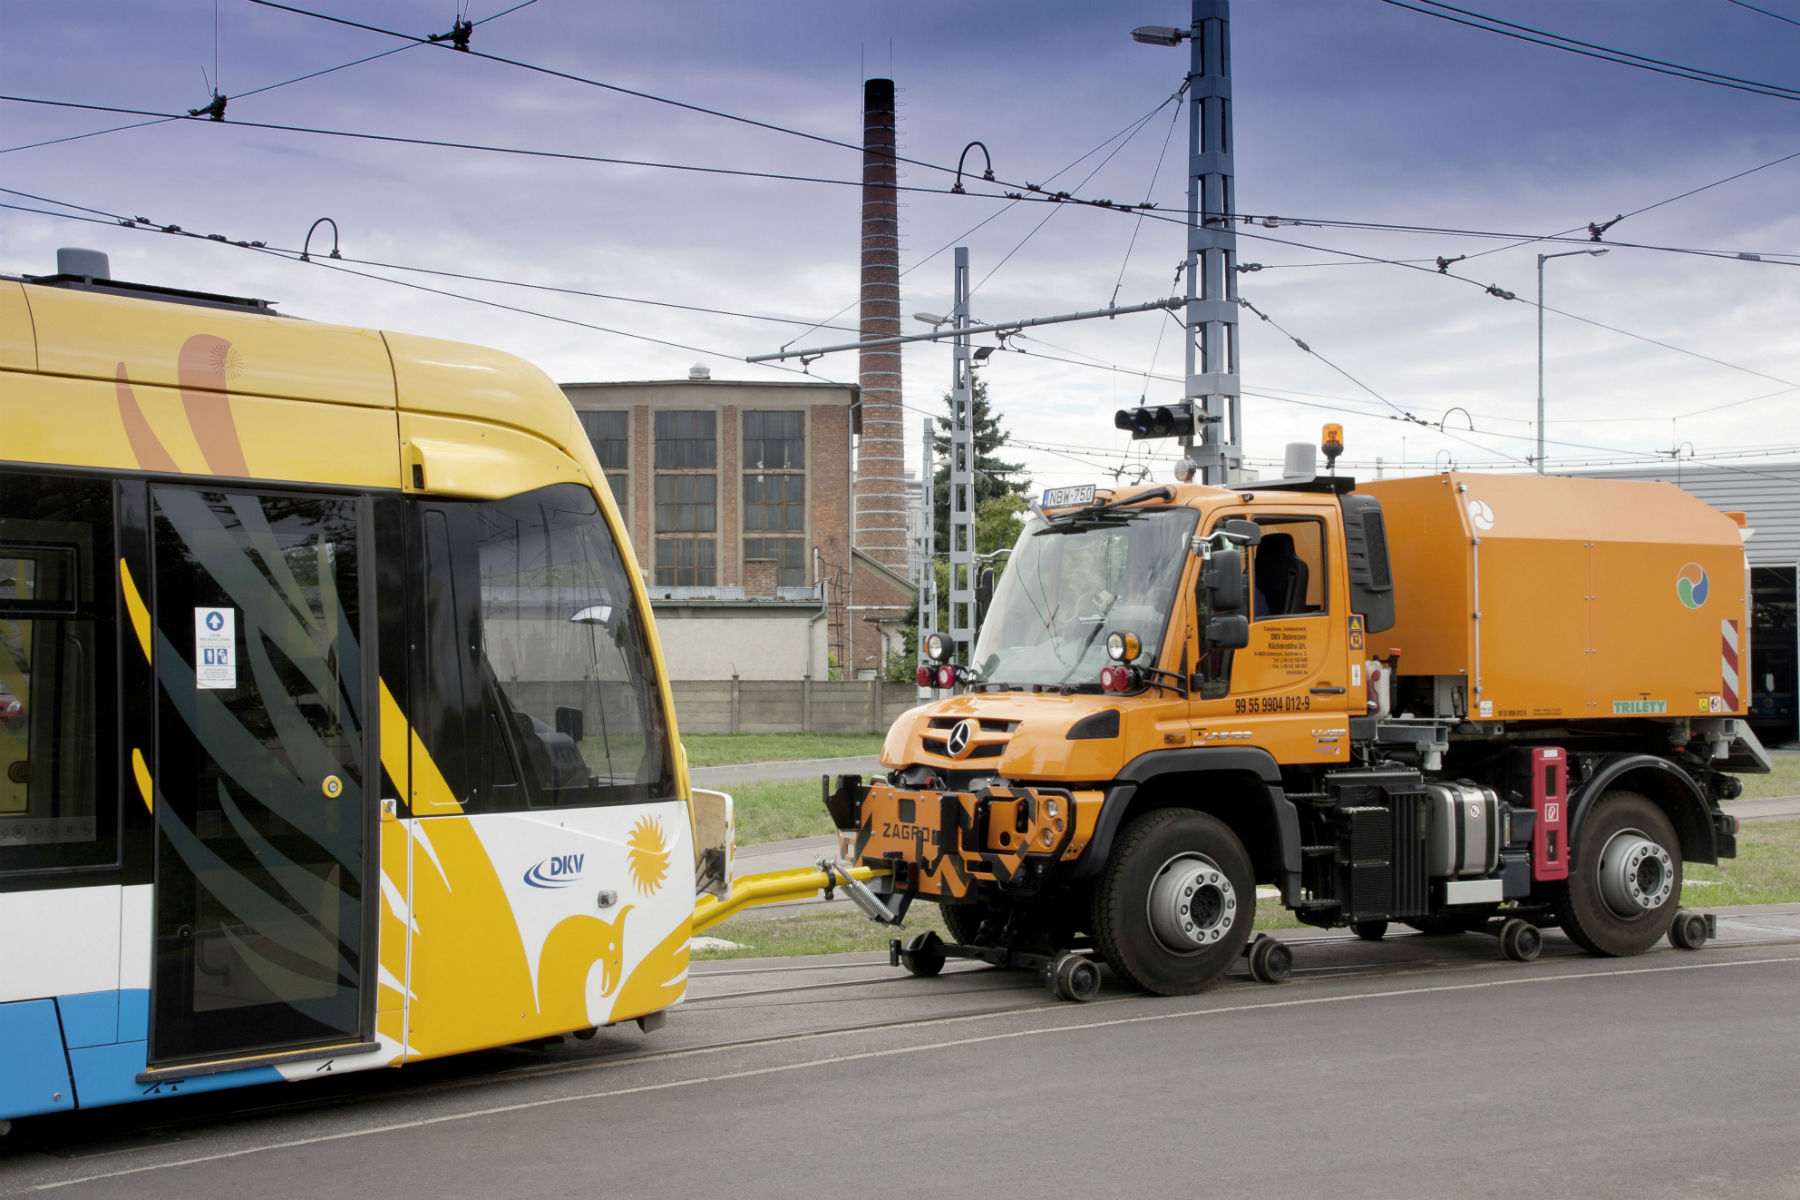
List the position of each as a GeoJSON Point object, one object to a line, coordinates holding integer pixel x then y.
{"type": "Point", "coordinates": [1287, 571]}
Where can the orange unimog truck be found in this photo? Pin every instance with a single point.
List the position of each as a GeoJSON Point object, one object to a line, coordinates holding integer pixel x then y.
{"type": "Point", "coordinates": [1458, 702]}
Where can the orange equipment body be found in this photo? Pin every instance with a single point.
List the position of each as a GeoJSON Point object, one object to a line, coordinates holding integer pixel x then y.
{"type": "Point", "coordinates": [1559, 599]}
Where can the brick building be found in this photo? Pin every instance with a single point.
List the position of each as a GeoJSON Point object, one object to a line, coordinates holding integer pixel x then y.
{"type": "Point", "coordinates": [739, 499]}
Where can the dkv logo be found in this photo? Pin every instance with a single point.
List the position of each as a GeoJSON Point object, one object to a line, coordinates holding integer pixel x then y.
{"type": "Point", "coordinates": [557, 871]}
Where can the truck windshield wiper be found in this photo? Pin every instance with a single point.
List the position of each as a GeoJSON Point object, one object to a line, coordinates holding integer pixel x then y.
{"type": "Point", "coordinates": [1162, 493]}
{"type": "Point", "coordinates": [1079, 514]}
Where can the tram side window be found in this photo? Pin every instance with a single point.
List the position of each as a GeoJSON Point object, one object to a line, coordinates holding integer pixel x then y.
{"type": "Point", "coordinates": [57, 663]}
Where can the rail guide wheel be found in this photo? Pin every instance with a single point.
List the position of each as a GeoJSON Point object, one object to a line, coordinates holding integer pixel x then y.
{"type": "Point", "coordinates": [1691, 930]}
{"type": "Point", "coordinates": [923, 954]}
{"type": "Point", "coordinates": [1071, 976]}
{"type": "Point", "coordinates": [1270, 961]}
{"type": "Point", "coordinates": [1520, 940]}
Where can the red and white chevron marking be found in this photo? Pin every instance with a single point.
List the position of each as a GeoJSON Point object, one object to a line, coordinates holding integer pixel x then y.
{"type": "Point", "coordinates": [1728, 664]}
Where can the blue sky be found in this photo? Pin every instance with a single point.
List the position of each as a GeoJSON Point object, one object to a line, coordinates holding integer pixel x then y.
{"type": "Point", "coordinates": [1346, 110]}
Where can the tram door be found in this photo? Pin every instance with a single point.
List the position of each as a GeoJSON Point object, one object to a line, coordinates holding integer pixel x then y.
{"type": "Point", "coordinates": [260, 774]}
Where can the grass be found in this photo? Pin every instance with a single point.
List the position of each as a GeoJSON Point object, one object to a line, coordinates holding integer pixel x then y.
{"type": "Point", "coordinates": [1784, 780]}
{"type": "Point", "coordinates": [776, 810]}
{"type": "Point", "coordinates": [726, 749]}
{"type": "Point", "coordinates": [1765, 871]}
{"type": "Point", "coordinates": [816, 933]}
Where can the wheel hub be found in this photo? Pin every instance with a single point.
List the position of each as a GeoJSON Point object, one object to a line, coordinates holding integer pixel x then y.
{"type": "Point", "coordinates": [1191, 905]}
{"type": "Point", "coordinates": [1636, 874]}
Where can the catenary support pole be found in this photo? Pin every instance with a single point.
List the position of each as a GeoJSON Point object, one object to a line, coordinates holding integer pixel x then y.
{"type": "Point", "coordinates": [962, 472]}
{"type": "Point", "coordinates": [1212, 319]}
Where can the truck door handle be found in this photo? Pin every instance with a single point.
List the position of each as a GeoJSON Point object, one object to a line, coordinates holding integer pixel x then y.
{"type": "Point", "coordinates": [1328, 691]}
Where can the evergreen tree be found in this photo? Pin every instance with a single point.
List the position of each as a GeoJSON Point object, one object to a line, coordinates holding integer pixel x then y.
{"type": "Point", "coordinates": [994, 477]}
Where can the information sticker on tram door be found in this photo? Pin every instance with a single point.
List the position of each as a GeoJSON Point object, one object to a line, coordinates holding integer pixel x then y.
{"type": "Point", "coordinates": [215, 648]}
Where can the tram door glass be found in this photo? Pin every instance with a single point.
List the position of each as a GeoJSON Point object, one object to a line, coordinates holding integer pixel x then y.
{"type": "Point", "coordinates": [260, 773]}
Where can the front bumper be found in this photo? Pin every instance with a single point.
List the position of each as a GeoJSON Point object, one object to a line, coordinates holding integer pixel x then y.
{"type": "Point", "coordinates": [947, 845]}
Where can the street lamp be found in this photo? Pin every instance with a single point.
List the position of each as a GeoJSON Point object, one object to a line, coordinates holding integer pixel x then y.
{"type": "Point", "coordinates": [1159, 35]}
{"type": "Point", "coordinates": [1542, 259]}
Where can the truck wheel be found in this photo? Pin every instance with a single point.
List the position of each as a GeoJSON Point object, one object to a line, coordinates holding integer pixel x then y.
{"type": "Point", "coordinates": [1369, 931]}
{"type": "Point", "coordinates": [963, 921]}
{"type": "Point", "coordinates": [1625, 885]}
{"type": "Point", "coordinates": [1175, 902]}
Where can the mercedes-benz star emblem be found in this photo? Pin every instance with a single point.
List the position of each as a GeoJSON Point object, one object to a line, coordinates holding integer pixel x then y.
{"type": "Point", "coordinates": [960, 737]}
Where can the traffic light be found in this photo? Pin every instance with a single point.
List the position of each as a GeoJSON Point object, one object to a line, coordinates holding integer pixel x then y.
{"type": "Point", "coordinates": [1156, 421]}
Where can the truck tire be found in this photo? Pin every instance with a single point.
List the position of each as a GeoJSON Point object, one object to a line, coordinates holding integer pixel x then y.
{"type": "Point", "coordinates": [1175, 902]}
{"type": "Point", "coordinates": [1625, 884]}
{"type": "Point", "coordinates": [963, 921]}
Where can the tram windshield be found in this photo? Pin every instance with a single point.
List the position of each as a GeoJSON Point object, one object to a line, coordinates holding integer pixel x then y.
{"type": "Point", "coordinates": [568, 654]}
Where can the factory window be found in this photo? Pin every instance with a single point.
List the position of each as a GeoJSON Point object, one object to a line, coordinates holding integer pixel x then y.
{"type": "Point", "coordinates": [686, 499]}
{"type": "Point", "coordinates": [775, 441]}
{"type": "Point", "coordinates": [775, 492]}
{"type": "Point", "coordinates": [609, 432]}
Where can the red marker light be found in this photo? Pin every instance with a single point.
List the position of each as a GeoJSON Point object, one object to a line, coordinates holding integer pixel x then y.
{"type": "Point", "coordinates": [925, 676]}
{"type": "Point", "coordinates": [946, 676]}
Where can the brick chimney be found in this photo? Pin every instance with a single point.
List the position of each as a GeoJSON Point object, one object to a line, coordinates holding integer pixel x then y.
{"type": "Point", "coordinates": [880, 455]}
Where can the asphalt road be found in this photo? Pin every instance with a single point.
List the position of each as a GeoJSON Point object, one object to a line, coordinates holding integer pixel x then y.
{"type": "Point", "coordinates": [1414, 1067]}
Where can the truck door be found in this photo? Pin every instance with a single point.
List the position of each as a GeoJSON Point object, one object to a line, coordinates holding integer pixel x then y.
{"type": "Point", "coordinates": [1287, 690]}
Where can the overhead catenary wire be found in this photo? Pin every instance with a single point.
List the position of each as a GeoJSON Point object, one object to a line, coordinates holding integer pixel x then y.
{"type": "Point", "coordinates": [115, 218]}
{"type": "Point", "coordinates": [1504, 294]}
{"type": "Point", "coordinates": [962, 237]}
{"type": "Point", "coordinates": [1056, 198]}
{"type": "Point", "coordinates": [1124, 139]}
{"type": "Point", "coordinates": [1765, 12]}
{"type": "Point", "coordinates": [357, 62]}
{"type": "Point", "coordinates": [1556, 41]}
{"type": "Point", "coordinates": [291, 255]}
{"type": "Point", "coordinates": [1043, 194]}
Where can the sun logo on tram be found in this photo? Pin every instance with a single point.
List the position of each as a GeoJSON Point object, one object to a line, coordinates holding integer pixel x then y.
{"type": "Point", "coordinates": [1690, 585]}
{"type": "Point", "coordinates": [649, 855]}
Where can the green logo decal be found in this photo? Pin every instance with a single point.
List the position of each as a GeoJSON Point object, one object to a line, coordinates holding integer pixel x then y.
{"type": "Point", "coordinates": [1634, 708]}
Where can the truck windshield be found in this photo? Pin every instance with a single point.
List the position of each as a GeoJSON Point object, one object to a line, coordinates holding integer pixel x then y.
{"type": "Point", "coordinates": [1072, 581]}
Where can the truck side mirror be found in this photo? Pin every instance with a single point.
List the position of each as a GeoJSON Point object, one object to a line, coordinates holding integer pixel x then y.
{"type": "Point", "coordinates": [568, 722]}
{"type": "Point", "coordinates": [1223, 579]}
{"type": "Point", "coordinates": [984, 590]}
{"type": "Point", "coordinates": [1228, 632]}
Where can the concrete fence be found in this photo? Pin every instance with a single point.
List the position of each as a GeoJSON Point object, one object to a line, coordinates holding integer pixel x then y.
{"type": "Point", "coordinates": [790, 705]}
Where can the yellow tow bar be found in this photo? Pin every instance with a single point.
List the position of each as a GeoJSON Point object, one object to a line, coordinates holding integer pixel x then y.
{"type": "Point", "coordinates": [749, 891]}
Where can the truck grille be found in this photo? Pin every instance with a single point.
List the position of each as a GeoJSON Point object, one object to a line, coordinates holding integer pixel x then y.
{"type": "Point", "coordinates": [989, 742]}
